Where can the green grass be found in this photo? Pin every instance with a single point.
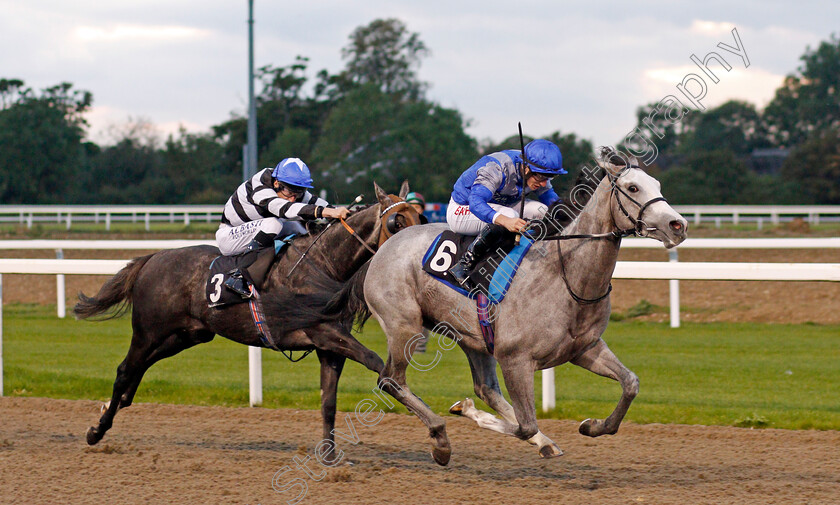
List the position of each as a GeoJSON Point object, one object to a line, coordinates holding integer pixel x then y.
{"type": "Point", "coordinates": [197, 225]}
{"type": "Point", "coordinates": [754, 375]}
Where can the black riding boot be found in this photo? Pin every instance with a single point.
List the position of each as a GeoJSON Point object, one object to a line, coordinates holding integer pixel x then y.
{"type": "Point", "coordinates": [237, 281]}
{"type": "Point", "coordinates": [483, 243]}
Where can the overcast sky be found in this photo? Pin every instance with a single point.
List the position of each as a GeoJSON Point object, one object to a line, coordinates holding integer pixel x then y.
{"type": "Point", "coordinates": [581, 67]}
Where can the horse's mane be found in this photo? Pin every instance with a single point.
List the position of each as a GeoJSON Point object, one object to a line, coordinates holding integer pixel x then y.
{"type": "Point", "coordinates": [574, 199]}
{"type": "Point", "coordinates": [562, 212]}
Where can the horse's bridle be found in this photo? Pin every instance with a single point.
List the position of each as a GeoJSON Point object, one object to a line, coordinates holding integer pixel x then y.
{"type": "Point", "coordinates": [639, 229]}
{"type": "Point", "coordinates": [388, 227]}
{"type": "Point", "coordinates": [391, 222]}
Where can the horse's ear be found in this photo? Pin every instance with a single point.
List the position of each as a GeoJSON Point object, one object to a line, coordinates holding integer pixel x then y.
{"type": "Point", "coordinates": [614, 161]}
{"type": "Point", "coordinates": [381, 195]}
{"type": "Point", "coordinates": [404, 190]}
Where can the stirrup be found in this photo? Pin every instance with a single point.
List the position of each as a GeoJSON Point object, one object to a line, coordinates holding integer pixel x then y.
{"type": "Point", "coordinates": [462, 270]}
{"type": "Point", "coordinates": [238, 285]}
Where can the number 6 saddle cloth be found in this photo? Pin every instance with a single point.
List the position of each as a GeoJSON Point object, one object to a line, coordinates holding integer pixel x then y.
{"type": "Point", "coordinates": [492, 275]}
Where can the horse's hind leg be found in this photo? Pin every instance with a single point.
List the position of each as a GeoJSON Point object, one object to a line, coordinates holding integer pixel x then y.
{"type": "Point", "coordinates": [143, 353]}
{"type": "Point", "coordinates": [331, 366]}
{"type": "Point", "coordinates": [400, 321]}
{"type": "Point", "coordinates": [172, 346]}
{"type": "Point", "coordinates": [600, 359]}
{"type": "Point", "coordinates": [486, 385]}
{"type": "Point", "coordinates": [392, 381]}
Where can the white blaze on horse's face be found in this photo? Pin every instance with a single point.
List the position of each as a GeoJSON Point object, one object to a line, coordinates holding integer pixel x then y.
{"type": "Point", "coordinates": [660, 220]}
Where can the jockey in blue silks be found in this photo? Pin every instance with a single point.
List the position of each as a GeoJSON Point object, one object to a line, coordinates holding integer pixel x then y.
{"type": "Point", "coordinates": [486, 196]}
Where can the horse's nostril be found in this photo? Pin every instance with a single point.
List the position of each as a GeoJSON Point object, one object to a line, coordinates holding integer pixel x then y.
{"type": "Point", "coordinates": [677, 226]}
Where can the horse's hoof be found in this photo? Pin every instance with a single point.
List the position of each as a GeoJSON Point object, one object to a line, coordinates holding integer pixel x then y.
{"type": "Point", "coordinates": [93, 437]}
{"type": "Point", "coordinates": [550, 451]}
{"type": "Point", "coordinates": [457, 408]}
{"type": "Point", "coordinates": [591, 427]}
{"type": "Point", "coordinates": [441, 455]}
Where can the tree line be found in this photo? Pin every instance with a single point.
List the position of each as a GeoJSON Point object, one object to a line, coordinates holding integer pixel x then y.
{"type": "Point", "coordinates": [372, 121]}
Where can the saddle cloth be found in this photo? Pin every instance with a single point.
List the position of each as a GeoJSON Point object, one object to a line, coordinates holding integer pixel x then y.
{"type": "Point", "coordinates": [222, 267]}
{"type": "Point", "coordinates": [492, 275]}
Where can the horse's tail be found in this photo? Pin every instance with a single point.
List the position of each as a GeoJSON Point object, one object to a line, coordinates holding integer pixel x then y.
{"type": "Point", "coordinates": [115, 292]}
{"type": "Point", "coordinates": [349, 305]}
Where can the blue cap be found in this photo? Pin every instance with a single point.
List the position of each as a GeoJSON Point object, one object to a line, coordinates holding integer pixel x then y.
{"type": "Point", "coordinates": [294, 172]}
{"type": "Point", "coordinates": [544, 157]}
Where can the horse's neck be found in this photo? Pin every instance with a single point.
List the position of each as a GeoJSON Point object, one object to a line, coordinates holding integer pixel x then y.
{"type": "Point", "coordinates": [344, 253]}
{"type": "Point", "coordinates": [589, 263]}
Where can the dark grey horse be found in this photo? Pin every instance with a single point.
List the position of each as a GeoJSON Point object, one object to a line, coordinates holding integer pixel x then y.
{"type": "Point", "coordinates": [555, 312]}
{"type": "Point", "coordinates": [170, 312]}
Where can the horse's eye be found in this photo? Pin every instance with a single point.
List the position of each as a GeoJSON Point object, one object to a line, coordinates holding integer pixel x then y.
{"type": "Point", "coordinates": [633, 188]}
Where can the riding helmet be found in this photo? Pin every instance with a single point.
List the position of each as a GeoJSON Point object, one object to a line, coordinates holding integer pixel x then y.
{"type": "Point", "coordinates": [294, 172]}
{"type": "Point", "coordinates": [544, 157]}
{"type": "Point", "coordinates": [415, 197]}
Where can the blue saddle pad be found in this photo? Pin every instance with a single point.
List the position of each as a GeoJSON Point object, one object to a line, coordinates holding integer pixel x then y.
{"type": "Point", "coordinates": [491, 276]}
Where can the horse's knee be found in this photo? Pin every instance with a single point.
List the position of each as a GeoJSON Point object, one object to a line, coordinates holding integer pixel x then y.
{"type": "Point", "coordinates": [125, 401]}
{"type": "Point", "coordinates": [479, 390]}
{"type": "Point", "coordinates": [375, 361]}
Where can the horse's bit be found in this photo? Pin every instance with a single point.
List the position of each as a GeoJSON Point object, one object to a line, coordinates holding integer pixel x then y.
{"type": "Point", "coordinates": [640, 229]}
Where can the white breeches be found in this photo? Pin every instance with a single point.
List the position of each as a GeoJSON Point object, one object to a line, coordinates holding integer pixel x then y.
{"type": "Point", "coordinates": [235, 239]}
{"type": "Point", "coordinates": [462, 221]}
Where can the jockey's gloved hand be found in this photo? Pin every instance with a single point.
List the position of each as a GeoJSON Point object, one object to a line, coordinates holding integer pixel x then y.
{"type": "Point", "coordinates": [513, 224]}
{"type": "Point", "coordinates": [336, 213]}
{"type": "Point", "coordinates": [535, 228]}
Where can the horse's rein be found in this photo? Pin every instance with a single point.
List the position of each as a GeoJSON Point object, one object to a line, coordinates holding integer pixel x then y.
{"type": "Point", "coordinates": [385, 234]}
{"type": "Point", "coordinates": [639, 229]}
{"type": "Point", "coordinates": [355, 235]}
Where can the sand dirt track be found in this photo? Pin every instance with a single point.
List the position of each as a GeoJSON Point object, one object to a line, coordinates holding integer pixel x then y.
{"type": "Point", "coordinates": [190, 454]}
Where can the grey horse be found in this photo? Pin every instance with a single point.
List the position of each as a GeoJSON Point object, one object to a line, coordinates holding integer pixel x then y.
{"type": "Point", "coordinates": [555, 311]}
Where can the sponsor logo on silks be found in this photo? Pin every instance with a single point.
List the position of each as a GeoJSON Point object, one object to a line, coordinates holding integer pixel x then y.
{"type": "Point", "coordinates": [243, 229]}
{"type": "Point", "coordinates": [462, 210]}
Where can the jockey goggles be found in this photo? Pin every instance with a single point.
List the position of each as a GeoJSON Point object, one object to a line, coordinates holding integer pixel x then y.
{"type": "Point", "coordinates": [296, 191]}
{"type": "Point", "coordinates": [540, 178]}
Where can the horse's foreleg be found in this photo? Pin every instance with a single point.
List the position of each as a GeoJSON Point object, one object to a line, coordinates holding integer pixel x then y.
{"type": "Point", "coordinates": [600, 359]}
{"type": "Point", "coordinates": [331, 366]}
{"type": "Point", "coordinates": [519, 379]}
{"type": "Point", "coordinates": [486, 385]}
{"type": "Point", "coordinates": [329, 337]}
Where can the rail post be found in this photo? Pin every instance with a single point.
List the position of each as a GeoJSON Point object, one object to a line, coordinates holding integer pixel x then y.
{"type": "Point", "coordinates": [1, 334]}
{"type": "Point", "coordinates": [548, 395]}
{"type": "Point", "coordinates": [255, 375]}
{"type": "Point", "coordinates": [674, 285]}
{"type": "Point", "coordinates": [61, 298]}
